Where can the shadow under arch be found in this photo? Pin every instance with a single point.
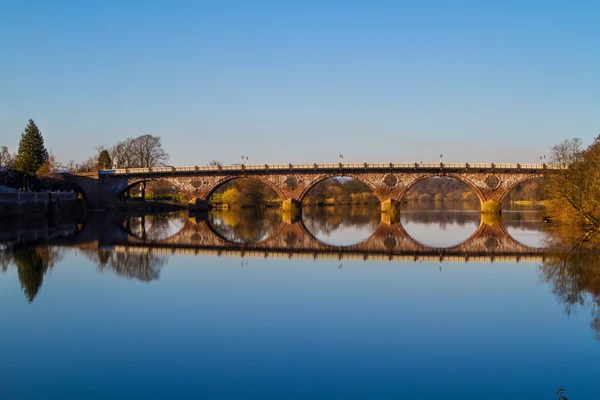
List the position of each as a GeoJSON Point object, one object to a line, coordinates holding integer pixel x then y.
{"type": "Point", "coordinates": [324, 177]}
{"type": "Point", "coordinates": [121, 193]}
{"type": "Point", "coordinates": [443, 174]}
{"type": "Point", "coordinates": [77, 188]}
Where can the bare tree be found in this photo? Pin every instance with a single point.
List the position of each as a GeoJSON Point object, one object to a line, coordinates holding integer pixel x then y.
{"type": "Point", "coordinates": [148, 151]}
{"type": "Point", "coordinates": [574, 191]}
{"type": "Point", "coordinates": [122, 154]}
{"type": "Point", "coordinates": [6, 159]}
{"type": "Point", "coordinates": [49, 168]}
{"type": "Point", "coordinates": [141, 152]}
{"type": "Point", "coordinates": [89, 164]}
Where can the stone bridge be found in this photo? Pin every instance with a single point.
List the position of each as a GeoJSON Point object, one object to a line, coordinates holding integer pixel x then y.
{"type": "Point", "coordinates": [389, 182]}
{"type": "Point", "coordinates": [390, 241]}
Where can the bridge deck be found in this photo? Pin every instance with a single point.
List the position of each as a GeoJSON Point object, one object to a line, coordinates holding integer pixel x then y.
{"type": "Point", "coordinates": [349, 167]}
{"type": "Point", "coordinates": [531, 257]}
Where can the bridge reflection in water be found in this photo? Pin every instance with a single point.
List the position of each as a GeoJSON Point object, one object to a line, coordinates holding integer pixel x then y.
{"type": "Point", "coordinates": [138, 247]}
{"type": "Point", "coordinates": [291, 239]}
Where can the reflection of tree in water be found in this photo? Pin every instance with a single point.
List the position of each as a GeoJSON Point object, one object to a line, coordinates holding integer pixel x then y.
{"type": "Point", "coordinates": [325, 220]}
{"type": "Point", "coordinates": [155, 227]}
{"type": "Point", "coordinates": [141, 266]}
{"type": "Point", "coordinates": [245, 225]}
{"type": "Point", "coordinates": [573, 269]}
{"type": "Point", "coordinates": [31, 263]}
{"type": "Point", "coordinates": [5, 259]}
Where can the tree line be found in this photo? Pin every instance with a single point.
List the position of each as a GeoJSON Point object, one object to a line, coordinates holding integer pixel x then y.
{"type": "Point", "coordinates": [140, 152]}
{"type": "Point", "coordinates": [33, 160]}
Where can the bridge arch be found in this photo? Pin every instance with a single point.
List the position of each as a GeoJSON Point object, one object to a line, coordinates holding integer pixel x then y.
{"type": "Point", "coordinates": [512, 185]}
{"type": "Point", "coordinates": [208, 192]}
{"type": "Point", "coordinates": [324, 177]}
{"type": "Point", "coordinates": [459, 177]}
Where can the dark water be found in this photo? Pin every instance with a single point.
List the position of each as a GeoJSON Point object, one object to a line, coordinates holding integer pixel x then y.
{"type": "Point", "coordinates": [439, 304]}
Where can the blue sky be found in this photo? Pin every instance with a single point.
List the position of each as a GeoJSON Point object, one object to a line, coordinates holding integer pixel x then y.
{"type": "Point", "coordinates": [303, 81]}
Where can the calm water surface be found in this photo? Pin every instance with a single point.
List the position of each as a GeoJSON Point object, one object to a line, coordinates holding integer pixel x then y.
{"type": "Point", "coordinates": [243, 305]}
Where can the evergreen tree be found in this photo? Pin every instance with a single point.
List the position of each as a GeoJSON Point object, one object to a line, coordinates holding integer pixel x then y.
{"type": "Point", "coordinates": [31, 268]}
{"type": "Point", "coordinates": [104, 161]}
{"type": "Point", "coordinates": [32, 153]}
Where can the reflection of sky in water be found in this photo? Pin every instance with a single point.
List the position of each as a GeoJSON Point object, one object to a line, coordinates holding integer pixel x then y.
{"type": "Point", "coordinates": [215, 327]}
{"type": "Point", "coordinates": [280, 328]}
{"type": "Point", "coordinates": [529, 232]}
{"type": "Point", "coordinates": [345, 235]}
{"type": "Point", "coordinates": [448, 234]}
{"type": "Point", "coordinates": [157, 228]}
{"type": "Point", "coordinates": [243, 226]}
{"type": "Point", "coordinates": [532, 238]}
{"type": "Point", "coordinates": [226, 230]}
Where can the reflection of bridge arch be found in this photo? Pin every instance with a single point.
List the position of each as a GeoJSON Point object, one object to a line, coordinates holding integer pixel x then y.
{"type": "Point", "coordinates": [387, 238]}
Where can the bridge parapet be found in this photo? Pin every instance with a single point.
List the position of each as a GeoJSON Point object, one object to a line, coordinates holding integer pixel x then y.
{"type": "Point", "coordinates": [329, 166]}
{"type": "Point", "coordinates": [327, 254]}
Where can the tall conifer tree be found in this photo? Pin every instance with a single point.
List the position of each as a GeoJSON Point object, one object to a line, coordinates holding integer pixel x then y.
{"type": "Point", "coordinates": [32, 152]}
{"type": "Point", "coordinates": [104, 161]}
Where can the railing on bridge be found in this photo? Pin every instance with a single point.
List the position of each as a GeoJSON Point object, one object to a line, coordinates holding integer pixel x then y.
{"type": "Point", "coordinates": [329, 166]}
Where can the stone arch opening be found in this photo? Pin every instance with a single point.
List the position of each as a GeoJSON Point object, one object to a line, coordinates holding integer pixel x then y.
{"type": "Point", "coordinates": [244, 192]}
{"type": "Point", "coordinates": [435, 190]}
{"type": "Point", "coordinates": [155, 189]}
{"type": "Point", "coordinates": [529, 191]}
{"type": "Point", "coordinates": [79, 191]}
{"type": "Point", "coordinates": [341, 211]}
{"type": "Point", "coordinates": [131, 189]}
{"type": "Point", "coordinates": [340, 190]}
{"type": "Point", "coordinates": [358, 181]}
{"type": "Point", "coordinates": [68, 182]}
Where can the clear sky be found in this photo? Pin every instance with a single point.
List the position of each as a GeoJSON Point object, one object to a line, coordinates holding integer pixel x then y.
{"type": "Point", "coordinates": [303, 81]}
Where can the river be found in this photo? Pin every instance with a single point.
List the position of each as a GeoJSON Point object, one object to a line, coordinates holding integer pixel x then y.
{"type": "Point", "coordinates": [340, 303]}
